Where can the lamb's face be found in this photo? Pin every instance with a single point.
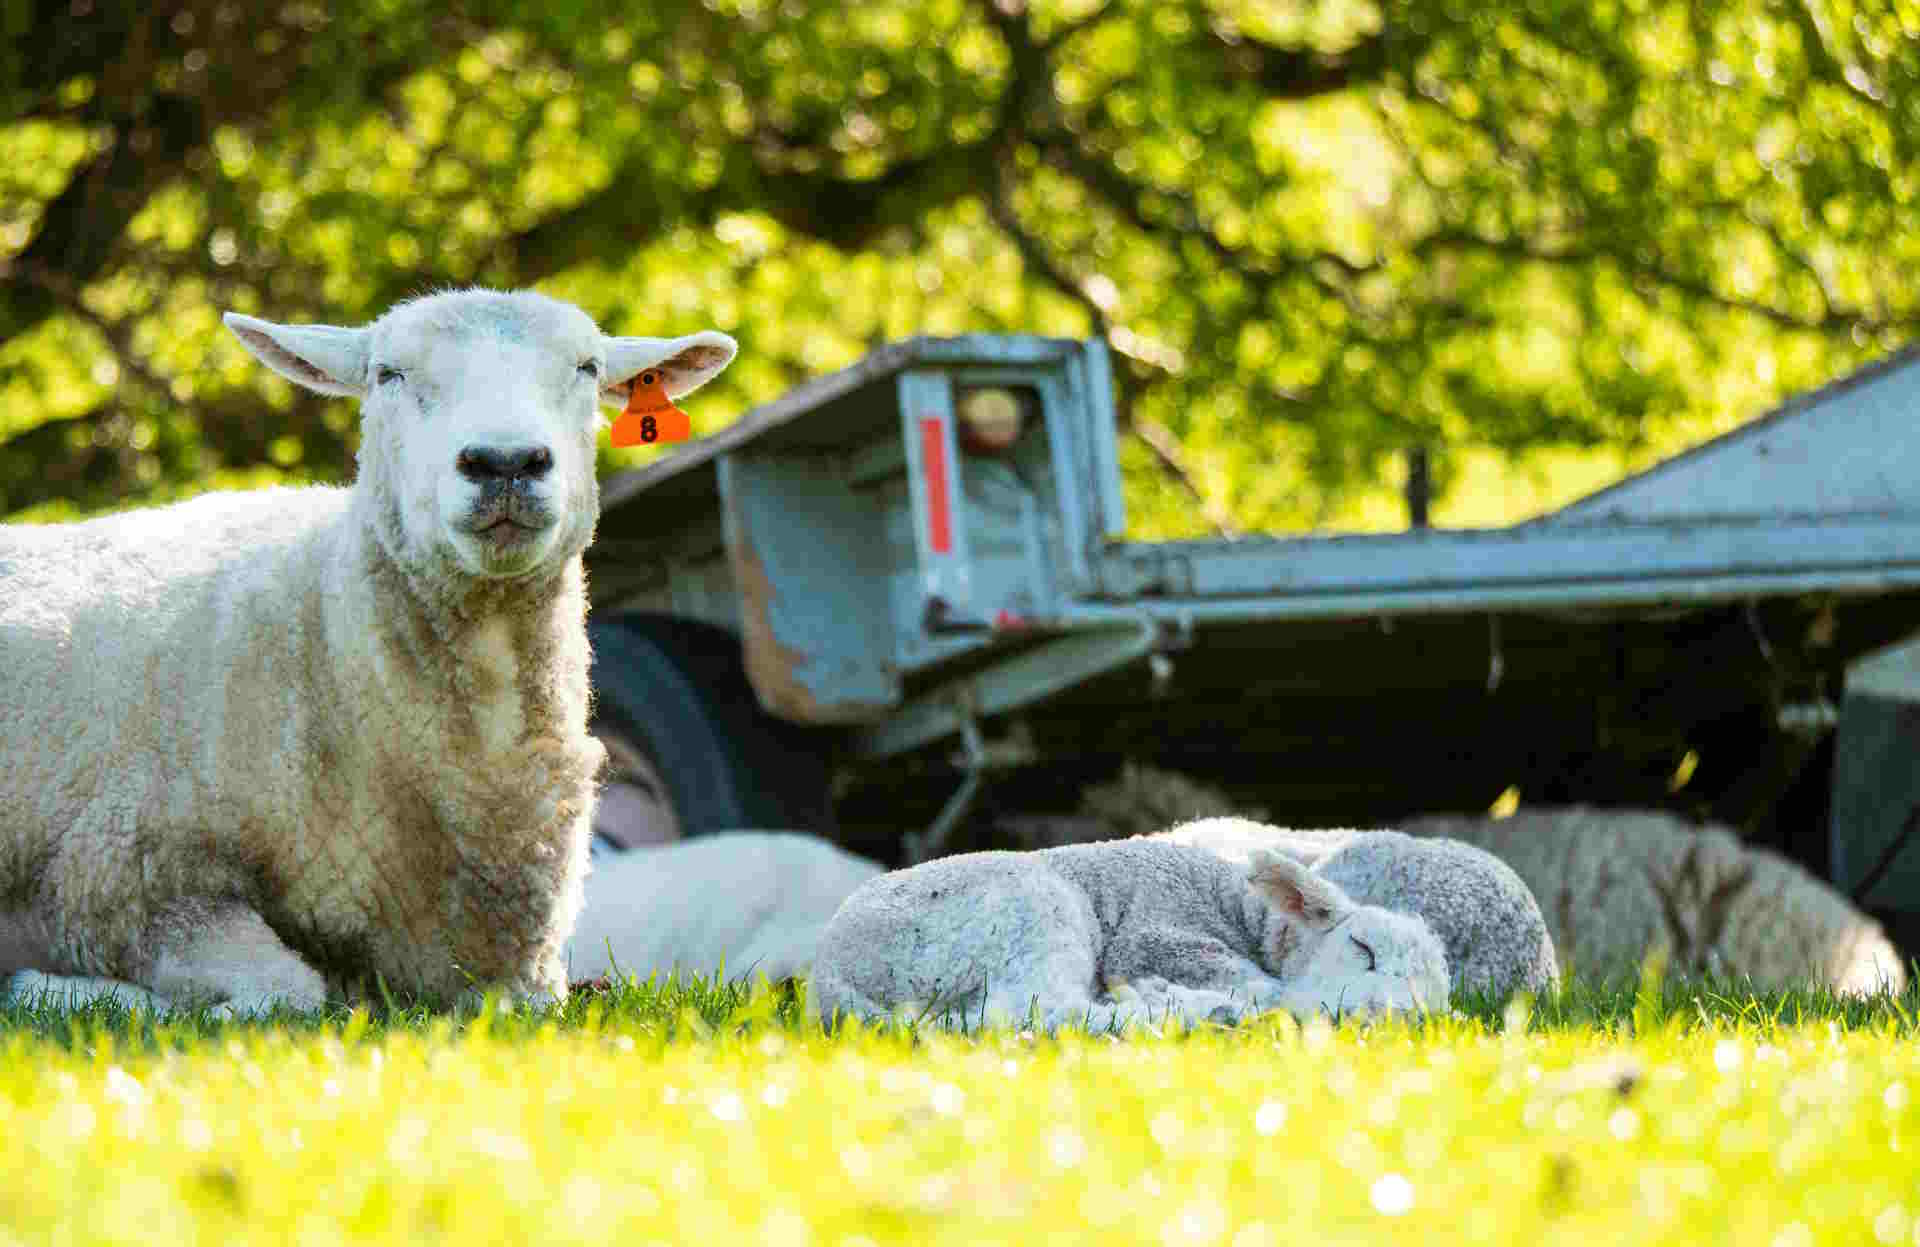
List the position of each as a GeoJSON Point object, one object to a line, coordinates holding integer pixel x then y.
{"type": "Point", "coordinates": [1349, 958]}
{"type": "Point", "coordinates": [480, 414]}
{"type": "Point", "coordinates": [1376, 960]}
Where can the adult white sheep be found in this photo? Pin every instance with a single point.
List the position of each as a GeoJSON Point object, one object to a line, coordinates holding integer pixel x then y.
{"type": "Point", "coordinates": [259, 745]}
{"type": "Point", "coordinates": [1118, 932]}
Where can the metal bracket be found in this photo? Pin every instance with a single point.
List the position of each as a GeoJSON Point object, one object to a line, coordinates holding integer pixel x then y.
{"type": "Point", "coordinates": [1172, 633]}
{"type": "Point", "coordinates": [940, 618]}
{"type": "Point", "coordinates": [1159, 676]}
{"type": "Point", "coordinates": [1813, 718]}
{"type": "Point", "coordinates": [1142, 571]}
{"type": "Point", "coordinates": [1027, 677]}
{"type": "Point", "coordinates": [1879, 869]}
{"type": "Point", "coordinates": [977, 757]}
{"type": "Point", "coordinates": [1496, 656]}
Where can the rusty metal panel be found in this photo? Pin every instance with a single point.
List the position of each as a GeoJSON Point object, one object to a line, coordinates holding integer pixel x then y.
{"type": "Point", "coordinates": [809, 564]}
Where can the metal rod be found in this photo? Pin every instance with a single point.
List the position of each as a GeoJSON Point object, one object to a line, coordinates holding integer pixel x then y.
{"type": "Point", "coordinates": [925, 846]}
{"type": "Point", "coordinates": [1419, 486]}
{"type": "Point", "coordinates": [1872, 878]}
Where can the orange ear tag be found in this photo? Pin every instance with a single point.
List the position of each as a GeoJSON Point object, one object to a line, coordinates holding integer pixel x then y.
{"type": "Point", "coordinates": [650, 416]}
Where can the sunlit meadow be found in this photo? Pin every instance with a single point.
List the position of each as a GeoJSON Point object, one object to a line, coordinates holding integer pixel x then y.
{"type": "Point", "coordinates": [687, 1114]}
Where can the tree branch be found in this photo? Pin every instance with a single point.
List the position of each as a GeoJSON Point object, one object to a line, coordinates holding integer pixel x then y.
{"type": "Point", "coordinates": [1159, 440]}
{"type": "Point", "coordinates": [66, 294]}
{"type": "Point", "coordinates": [1695, 288]}
{"type": "Point", "coordinates": [87, 458]}
{"type": "Point", "coordinates": [1126, 197]}
{"type": "Point", "coordinates": [1304, 73]}
{"type": "Point", "coordinates": [1168, 453]}
{"type": "Point", "coordinates": [1067, 30]}
{"type": "Point", "coordinates": [81, 225]}
{"type": "Point", "coordinates": [636, 206]}
{"type": "Point", "coordinates": [1042, 264]}
{"type": "Point", "coordinates": [1826, 59]}
{"type": "Point", "coordinates": [49, 462]}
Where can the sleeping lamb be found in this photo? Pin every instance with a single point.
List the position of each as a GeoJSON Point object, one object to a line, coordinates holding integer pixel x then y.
{"type": "Point", "coordinates": [1483, 913]}
{"type": "Point", "coordinates": [1103, 935]}
{"type": "Point", "coordinates": [1489, 922]}
{"type": "Point", "coordinates": [261, 745]}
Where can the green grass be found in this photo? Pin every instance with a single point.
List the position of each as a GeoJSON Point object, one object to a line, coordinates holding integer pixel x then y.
{"type": "Point", "coordinates": [701, 1115]}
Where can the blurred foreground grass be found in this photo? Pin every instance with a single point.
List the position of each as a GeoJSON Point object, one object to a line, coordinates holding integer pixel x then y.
{"type": "Point", "coordinates": [689, 1114]}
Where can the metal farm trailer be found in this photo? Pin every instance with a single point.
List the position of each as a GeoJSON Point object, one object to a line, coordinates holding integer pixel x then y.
{"type": "Point", "coordinates": [898, 602]}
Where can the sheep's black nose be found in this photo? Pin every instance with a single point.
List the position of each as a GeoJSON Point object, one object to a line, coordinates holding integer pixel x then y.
{"type": "Point", "coordinates": [504, 463]}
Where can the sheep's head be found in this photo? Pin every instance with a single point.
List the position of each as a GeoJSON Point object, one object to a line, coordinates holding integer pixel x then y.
{"type": "Point", "coordinates": [1351, 957]}
{"type": "Point", "coordinates": [480, 411]}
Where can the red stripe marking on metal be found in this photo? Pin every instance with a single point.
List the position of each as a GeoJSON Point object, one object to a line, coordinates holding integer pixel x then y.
{"type": "Point", "coordinates": [933, 462]}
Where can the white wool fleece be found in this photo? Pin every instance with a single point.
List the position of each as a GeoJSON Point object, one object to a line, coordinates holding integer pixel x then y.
{"type": "Point", "coordinates": [341, 729]}
{"type": "Point", "coordinates": [1106, 934]}
{"type": "Point", "coordinates": [751, 902]}
{"type": "Point", "coordinates": [1616, 884]}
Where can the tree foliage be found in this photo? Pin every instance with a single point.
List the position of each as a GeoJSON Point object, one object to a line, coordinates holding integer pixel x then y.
{"type": "Point", "coordinates": [1316, 233]}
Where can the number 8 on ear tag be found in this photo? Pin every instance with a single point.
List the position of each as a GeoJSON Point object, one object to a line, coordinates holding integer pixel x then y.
{"type": "Point", "coordinates": [650, 417]}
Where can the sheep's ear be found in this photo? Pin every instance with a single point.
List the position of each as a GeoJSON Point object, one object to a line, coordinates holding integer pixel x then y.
{"type": "Point", "coordinates": [685, 364]}
{"type": "Point", "coordinates": [325, 358]}
{"type": "Point", "coordinates": [1295, 890]}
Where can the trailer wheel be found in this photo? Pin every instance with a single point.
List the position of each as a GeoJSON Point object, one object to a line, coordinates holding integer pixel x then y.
{"type": "Point", "coordinates": [677, 691]}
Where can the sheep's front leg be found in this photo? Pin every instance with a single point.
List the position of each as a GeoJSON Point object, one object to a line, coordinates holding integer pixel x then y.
{"type": "Point", "coordinates": [65, 991]}
{"type": "Point", "coordinates": [1049, 992]}
{"type": "Point", "coordinates": [1162, 1000]}
{"type": "Point", "coordinates": [1068, 997]}
{"type": "Point", "coordinates": [1368, 995]}
{"type": "Point", "coordinates": [1095, 1016]}
{"type": "Point", "coordinates": [1179, 958]}
{"type": "Point", "coordinates": [228, 957]}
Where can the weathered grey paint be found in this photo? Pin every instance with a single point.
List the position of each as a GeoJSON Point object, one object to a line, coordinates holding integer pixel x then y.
{"type": "Point", "coordinates": [1846, 449]}
{"type": "Point", "coordinates": [829, 568]}
{"type": "Point", "coordinates": [1876, 780]}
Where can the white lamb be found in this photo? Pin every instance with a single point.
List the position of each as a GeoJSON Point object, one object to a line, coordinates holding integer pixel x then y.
{"type": "Point", "coordinates": [755, 902]}
{"type": "Point", "coordinates": [1482, 911]}
{"type": "Point", "coordinates": [1108, 934]}
{"type": "Point", "coordinates": [262, 745]}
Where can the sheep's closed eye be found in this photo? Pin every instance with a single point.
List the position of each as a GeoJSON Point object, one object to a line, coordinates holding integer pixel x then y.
{"type": "Point", "coordinates": [384, 374]}
{"type": "Point", "coordinates": [1361, 945]}
{"type": "Point", "coordinates": [590, 368]}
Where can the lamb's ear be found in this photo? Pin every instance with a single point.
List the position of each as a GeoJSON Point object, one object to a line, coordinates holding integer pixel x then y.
{"type": "Point", "coordinates": [685, 364]}
{"type": "Point", "coordinates": [1295, 890]}
{"type": "Point", "coordinates": [325, 358]}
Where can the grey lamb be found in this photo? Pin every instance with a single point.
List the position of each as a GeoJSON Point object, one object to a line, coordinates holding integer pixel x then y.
{"type": "Point", "coordinates": [1113, 933]}
{"type": "Point", "coordinates": [1494, 933]}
